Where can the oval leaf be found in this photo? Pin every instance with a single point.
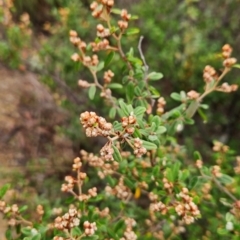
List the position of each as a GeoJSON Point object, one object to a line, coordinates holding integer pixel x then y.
{"type": "Point", "coordinates": [155, 76]}
{"type": "Point", "coordinates": [92, 91]}
{"type": "Point", "coordinates": [132, 31]}
{"type": "Point", "coordinates": [115, 85]}
{"type": "Point", "coordinates": [149, 145]}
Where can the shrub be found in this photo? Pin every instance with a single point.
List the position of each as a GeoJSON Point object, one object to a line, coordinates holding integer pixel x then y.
{"type": "Point", "coordinates": [143, 184]}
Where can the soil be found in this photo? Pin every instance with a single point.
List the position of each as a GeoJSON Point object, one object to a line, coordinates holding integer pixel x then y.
{"type": "Point", "coordinates": [29, 119]}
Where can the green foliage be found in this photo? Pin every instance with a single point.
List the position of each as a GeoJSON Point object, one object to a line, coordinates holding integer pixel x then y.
{"type": "Point", "coordinates": [143, 183]}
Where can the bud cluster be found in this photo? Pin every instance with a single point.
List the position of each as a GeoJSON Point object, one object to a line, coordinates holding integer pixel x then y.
{"type": "Point", "coordinates": [107, 168]}
{"type": "Point", "coordinates": [102, 32]}
{"type": "Point", "coordinates": [129, 234]}
{"type": "Point", "coordinates": [138, 148]}
{"type": "Point", "coordinates": [40, 210]}
{"type": "Point", "coordinates": [167, 185]}
{"type": "Point", "coordinates": [68, 187]}
{"type": "Point", "coordinates": [107, 152]}
{"type": "Point", "coordinates": [89, 228]}
{"type": "Point", "coordinates": [123, 24]}
{"type": "Point", "coordinates": [216, 171]}
{"type": "Point", "coordinates": [158, 207]}
{"type": "Point", "coordinates": [81, 176]}
{"type": "Point", "coordinates": [101, 45]}
{"type": "Point", "coordinates": [128, 124]}
{"type": "Point", "coordinates": [120, 190]}
{"type": "Point", "coordinates": [193, 95]}
{"type": "Point", "coordinates": [13, 211]}
{"type": "Point", "coordinates": [95, 125]}
{"type": "Point", "coordinates": [76, 41]}
{"type": "Point", "coordinates": [83, 83]}
{"type": "Point", "coordinates": [225, 87]}
{"type": "Point", "coordinates": [7, 209]}
{"type": "Point", "coordinates": [160, 105]}
{"type": "Point", "coordinates": [103, 213]}
{"type": "Point", "coordinates": [226, 53]}
{"type": "Point", "coordinates": [199, 163]}
{"type": "Point", "coordinates": [206, 188]}
{"type": "Point", "coordinates": [187, 209]}
{"type": "Point", "coordinates": [220, 147]}
{"type": "Point", "coordinates": [107, 77]}
{"type": "Point", "coordinates": [98, 9]}
{"type": "Point", "coordinates": [68, 220]}
{"type": "Point", "coordinates": [209, 74]}
{"type": "Point", "coordinates": [153, 197]}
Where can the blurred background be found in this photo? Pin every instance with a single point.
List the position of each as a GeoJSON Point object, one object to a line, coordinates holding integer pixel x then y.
{"type": "Point", "coordinates": [40, 101]}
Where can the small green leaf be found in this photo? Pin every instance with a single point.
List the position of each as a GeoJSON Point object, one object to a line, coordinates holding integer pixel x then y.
{"type": "Point", "coordinates": [129, 183]}
{"type": "Point", "coordinates": [92, 91]}
{"type": "Point", "coordinates": [4, 189]}
{"type": "Point", "coordinates": [109, 58]}
{"type": "Point", "coordinates": [169, 174]}
{"type": "Point", "coordinates": [222, 231]}
{"type": "Point", "coordinates": [132, 31]}
{"type": "Point", "coordinates": [125, 79]}
{"type": "Point", "coordinates": [175, 170]}
{"type": "Point", "coordinates": [156, 171]}
{"type": "Point", "coordinates": [137, 133]}
{"type": "Point", "coordinates": [149, 145]}
{"type": "Point", "coordinates": [155, 76]}
{"type": "Point", "coordinates": [236, 65]}
{"type": "Point", "coordinates": [152, 138]}
{"type": "Point", "coordinates": [141, 102]}
{"type": "Point", "coordinates": [183, 175]}
{"type": "Point", "coordinates": [123, 107]}
{"type": "Point", "coordinates": [206, 171]}
{"type": "Point", "coordinates": [183, 95]}
{"type": "Point", "coordinates": [130, 92]}
{"type": "Point", "coordinates": [36, 237]}
{"type": "Point", "coordinates": [112, 112]}
{"type": "Point", "coordinates": [23, 208]}
{"type": "Point", "coordinates": [154, 91]}
{"type": "Point", "coordinates": [156, 119]}
{"type": "Point", "coordinates": [204, 106]}
{"type": "Point", "coordinates": [202, 115]}
{"type": "Point", "coordinates": [120, 224]}
{"type": "Point", "coordinates": [197, 155]}
{"type": "Point", "coordinates": [139, 111]}
{"type": "Point", "coordinates": [110, 180]}
{"type": "Point", "coordinates": [116, 11]}
{"type": "Point", "coordinates": [117, 126]}
{"type": "Point", "coordinates": [116, 155]}
{"type": "Point", "coordinates": [153, 127]}
{"type": "Point", "coordinates": [137, 91]}
{"type": "Point", "coordinates": [115, 85]}
{"type": "Point", "coordinates": [75, 232]}
{"type": "Point", "coordinates": [225, 179]}
{"type": "Point", "coordinates": [189, 121]}
{"type": "Point", "coordinates": [176, 96]}
{"type": "Point", "coordinates": [229, 217]}
{"type": "Point", "coordinates": [134, 60]}
{"type": "Point", "coordinates": [8, 234]}
{"type": "Point", "coordinates": [134, 17]}
{"type": "Point", "coordinates": [161, 130]}
{"type": "Point", "coordinates": [197, 182]}
{"type": "Point", "coordinates": [100, 66]}
{"type": "Point", "coordinates": [225, 202]}
{"type": "Point", "coordinates": [26, 231]}
{"type": "Point", "coordinates": [192, 108]}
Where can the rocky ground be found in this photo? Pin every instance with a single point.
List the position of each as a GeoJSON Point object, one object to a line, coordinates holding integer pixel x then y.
{"type": "Point", "coordinates": [29, 118]}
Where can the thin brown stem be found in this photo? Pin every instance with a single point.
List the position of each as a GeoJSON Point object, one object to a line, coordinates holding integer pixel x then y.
{"type": "Point", "coordinates": [213, 88]}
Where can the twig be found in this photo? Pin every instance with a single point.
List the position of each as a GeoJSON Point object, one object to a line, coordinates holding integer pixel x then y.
{"type": "Point", "coordinates": [142, 55]}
